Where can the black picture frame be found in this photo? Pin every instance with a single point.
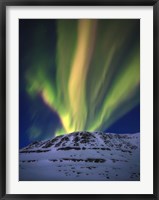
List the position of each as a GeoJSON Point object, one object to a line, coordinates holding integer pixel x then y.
{"type": "Point", "coordinates": [3, 182]}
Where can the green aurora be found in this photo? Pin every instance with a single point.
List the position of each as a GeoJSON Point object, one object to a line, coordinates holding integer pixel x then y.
{"type": "Point", "coordinates": [95, 78]}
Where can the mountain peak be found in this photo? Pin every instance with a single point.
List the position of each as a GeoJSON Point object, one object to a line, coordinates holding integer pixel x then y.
{"type": "Point", "coordinates": [83, 156]}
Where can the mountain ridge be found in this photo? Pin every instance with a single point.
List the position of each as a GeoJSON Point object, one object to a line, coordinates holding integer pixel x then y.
{"type": "Point", "coordinates": [102, 152]}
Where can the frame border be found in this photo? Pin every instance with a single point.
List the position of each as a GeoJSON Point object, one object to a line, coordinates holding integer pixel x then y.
{"type": "Point", "coordinates": [3, 5]}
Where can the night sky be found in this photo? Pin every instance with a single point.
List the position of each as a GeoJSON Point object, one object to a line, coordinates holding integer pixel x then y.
{"type": "Point", "coordinates": [78, 75]}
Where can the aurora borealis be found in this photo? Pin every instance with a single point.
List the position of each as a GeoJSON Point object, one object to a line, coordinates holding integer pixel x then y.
{"type": "Point", "coordinates": [77, 74]}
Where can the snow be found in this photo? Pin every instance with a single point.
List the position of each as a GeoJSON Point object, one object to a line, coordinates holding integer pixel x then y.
{"type": "Point", "coordinates": [82, 156]}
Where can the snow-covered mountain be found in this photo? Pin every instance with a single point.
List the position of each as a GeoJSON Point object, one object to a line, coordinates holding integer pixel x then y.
{"type": "Point", "coordinates": [82, 156]}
